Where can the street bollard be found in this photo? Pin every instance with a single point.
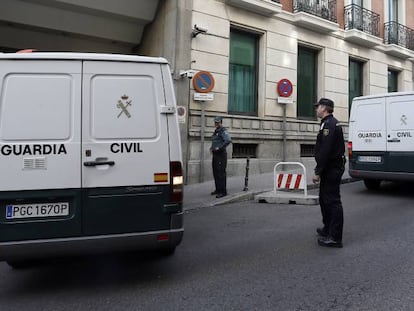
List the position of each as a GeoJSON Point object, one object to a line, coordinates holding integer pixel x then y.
{"type": "Point", "coordinates": [246, 178]}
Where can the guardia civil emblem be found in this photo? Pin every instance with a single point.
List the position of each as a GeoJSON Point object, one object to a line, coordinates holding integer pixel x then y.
{"type": "Point", "coordinates": [123, 104]}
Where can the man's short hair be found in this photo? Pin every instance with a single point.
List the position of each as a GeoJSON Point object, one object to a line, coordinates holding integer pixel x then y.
{"type": "Point", "coordinates": [328, 103]}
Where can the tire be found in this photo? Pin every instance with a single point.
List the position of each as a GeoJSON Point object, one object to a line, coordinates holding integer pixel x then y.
{"type": "Point", "coordinates": [372, 184]}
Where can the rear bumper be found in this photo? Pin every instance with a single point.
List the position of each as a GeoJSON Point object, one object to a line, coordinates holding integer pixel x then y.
{"type": "Point", "coordinates": [381, 175]}
{"type": "Point", "coordinates": [32, 249]}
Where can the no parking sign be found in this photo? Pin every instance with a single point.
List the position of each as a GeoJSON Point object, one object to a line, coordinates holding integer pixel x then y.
{"type": "Point", "coordinates": [203, 82]}
{"type": "Point", "coordinates": [284, 88]}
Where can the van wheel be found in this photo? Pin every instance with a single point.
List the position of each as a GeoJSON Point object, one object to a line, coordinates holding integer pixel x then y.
{"type": "Point", "coordinates": [372, 184]}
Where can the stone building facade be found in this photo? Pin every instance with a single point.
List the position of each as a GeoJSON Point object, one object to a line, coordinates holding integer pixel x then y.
{"type": "Point", "coordinates": [340, 34]}
{"type": "Point", "coordinates": [326, 48]}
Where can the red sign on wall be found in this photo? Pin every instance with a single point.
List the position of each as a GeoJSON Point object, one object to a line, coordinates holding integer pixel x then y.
{"type": "Point", "coordinates": [203, 82]}
{"type": "Point", "coordinates": [284, 88]}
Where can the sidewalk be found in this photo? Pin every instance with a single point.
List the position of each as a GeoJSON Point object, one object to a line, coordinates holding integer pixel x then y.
{"type": "Point", "coordinates": [198, 195]}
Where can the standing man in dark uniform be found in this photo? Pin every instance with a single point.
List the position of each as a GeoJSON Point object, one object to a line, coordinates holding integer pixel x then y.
{"type": "Point", "coordinates": [219, 141]}
{"type": "Point", "coordinates": [330, 166]}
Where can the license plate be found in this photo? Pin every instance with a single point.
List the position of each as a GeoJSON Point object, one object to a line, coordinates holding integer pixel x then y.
{"type": "Point", "coordinates": [37, 210]}
{"type": "Point", "coordinates": [370, 159]}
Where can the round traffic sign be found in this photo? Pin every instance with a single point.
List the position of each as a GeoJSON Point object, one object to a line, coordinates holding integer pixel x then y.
{"type": "Point", "coordinates": [284, 88]}
{"type": "Point", "coordinates": [203, 82]}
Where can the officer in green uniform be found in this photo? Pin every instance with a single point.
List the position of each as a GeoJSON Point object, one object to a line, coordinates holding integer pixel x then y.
{"type": "Point", "coordinates": [330, 166]}
{"type": "Point", "coordinates": [219, 141]}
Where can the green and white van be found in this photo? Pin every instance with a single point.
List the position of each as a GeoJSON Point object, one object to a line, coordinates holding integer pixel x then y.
{"type": "Point", "coordinates": [90, 155]}
{"type": "Point", "coordinates": [381, 138]}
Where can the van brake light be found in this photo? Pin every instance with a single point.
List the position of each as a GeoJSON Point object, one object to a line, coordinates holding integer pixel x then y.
{"type": "Point", "coordinates": [176, 182]}
{"type": "Point", "coordinates": [350, 149]}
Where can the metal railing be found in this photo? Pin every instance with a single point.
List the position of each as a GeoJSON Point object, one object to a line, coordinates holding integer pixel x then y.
{"type": "Point", "coordinates": [325, 9]}
{"type": "Point", "coordinates": [395, 33]}
{"type": "Point", "coordinates": [357, 17]}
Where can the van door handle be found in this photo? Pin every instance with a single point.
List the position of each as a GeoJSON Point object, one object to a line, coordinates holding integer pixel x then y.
{"type": "Point", "coordinates": [95, 163]}
{"type": "Point", "coordinates": [394, 140]}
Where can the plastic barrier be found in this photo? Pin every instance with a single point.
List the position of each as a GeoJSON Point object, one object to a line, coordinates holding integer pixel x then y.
{"type": "Point", "coordinates": [285, 180]}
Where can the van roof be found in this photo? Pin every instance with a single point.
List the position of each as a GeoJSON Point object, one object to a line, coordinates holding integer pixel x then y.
{"type": "Point", "coordinates": [393, 94]}
{"type": "Point", "coordinates": [82, 56]}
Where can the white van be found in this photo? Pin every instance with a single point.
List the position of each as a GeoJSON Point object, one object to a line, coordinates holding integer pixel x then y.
{"type": "Point", "coordinates": [90, 155]}
{"type": "Point", "coordinates": [381, 138]}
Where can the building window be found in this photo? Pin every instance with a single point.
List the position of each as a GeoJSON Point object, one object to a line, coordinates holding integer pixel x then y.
{"type": "Point", "coordinates": [307, 82]}
{"type": "Point", "coordinates": [392, 81]}
{"type": "Point", "coordinates": [307, 150]}
{"type": "Point", "coordinates": [355, 80]}
{"type": "Point", "coordinates": [244, 151]}
{"type": "Point", "coordinates": [243, 73]}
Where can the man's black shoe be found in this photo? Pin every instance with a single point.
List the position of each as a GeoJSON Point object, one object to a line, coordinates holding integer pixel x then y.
{"type": "Point", "coordinates": [214, 192]}
{"type": "Point", "coordinates": [220, 195]}
{"type": "Point", "coordinates": [329, 242]}
{"type": "Point", "coordinates": [322, 232]}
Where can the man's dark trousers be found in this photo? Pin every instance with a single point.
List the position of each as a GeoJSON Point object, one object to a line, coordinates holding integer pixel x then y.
{"type": "Point", "coordinates": [330, 202]}
{"type": "Point", "coordinates": [219, 171]}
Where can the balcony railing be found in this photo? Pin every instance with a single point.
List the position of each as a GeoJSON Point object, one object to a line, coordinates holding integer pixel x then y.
{"type": "Point", "coordinates": [356, 17]}
{"type": "Point", "coordinates": [395, 33]}
{"type": "Point", "coordinates": [325, 9]}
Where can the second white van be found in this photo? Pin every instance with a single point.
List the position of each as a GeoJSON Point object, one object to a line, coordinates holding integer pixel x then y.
{"type": "Point", "coordinates": [381, 138]}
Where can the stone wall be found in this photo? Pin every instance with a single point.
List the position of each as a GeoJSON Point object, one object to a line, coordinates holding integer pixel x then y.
{"type": "Point", "coordinates": [265, 132]}
{"type": "Point", "coordinates": [279, 38]}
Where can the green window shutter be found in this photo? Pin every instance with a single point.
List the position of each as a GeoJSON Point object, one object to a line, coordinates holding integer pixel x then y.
{"type": "Point", "coordinates": [307, 82]}
{"type": "Point", "coordinates": [355, 81]}
{"type": "Point", "coordinates": [243, 73]}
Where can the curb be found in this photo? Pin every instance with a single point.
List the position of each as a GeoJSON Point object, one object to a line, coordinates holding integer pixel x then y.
{"type": "Point", "coordinates": [249, 195]}
{"type": "Point", "coordinates": [232, 198]}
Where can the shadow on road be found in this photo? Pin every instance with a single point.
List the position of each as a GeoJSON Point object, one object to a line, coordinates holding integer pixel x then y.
{"type": "Point", "coordinates": [388, 188]}
{"type": "Point", "coordinates": [91, 273]}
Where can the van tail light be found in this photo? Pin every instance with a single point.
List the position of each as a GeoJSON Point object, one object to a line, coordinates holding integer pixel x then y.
{"type": "Point", "coordinates": [176, 182]}
{"type": "Point", "coordinates": [349, 150]}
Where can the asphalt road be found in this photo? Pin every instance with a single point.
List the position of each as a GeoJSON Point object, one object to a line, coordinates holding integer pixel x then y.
{"type": "Point", "coordinates": [245, 256]}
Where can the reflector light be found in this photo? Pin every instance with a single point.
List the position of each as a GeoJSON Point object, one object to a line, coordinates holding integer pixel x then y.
{"type": "Point", "coordinates": [26, 51]}
{"type": "Point", "coordinates": [163, 237]}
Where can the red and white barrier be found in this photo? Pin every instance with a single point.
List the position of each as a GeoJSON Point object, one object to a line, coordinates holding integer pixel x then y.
{"type": "Point", "coordinates": [290, 181]}
{"type": "Point", "coordinates": [286, 180]}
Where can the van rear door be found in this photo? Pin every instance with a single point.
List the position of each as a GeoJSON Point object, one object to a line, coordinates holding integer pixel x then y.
{"type": "Point", "coordinates": [125, 148]}
{"type": "Point", "coordinates": [400, 132]}
{"type": "Point", "coordinates": [40, 149]}
{"type": "Point", "coordinates": [368, 124]}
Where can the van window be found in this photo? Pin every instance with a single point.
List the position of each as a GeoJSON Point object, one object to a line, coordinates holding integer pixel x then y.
{"type": "Point", "coordinates": [33, 104]}
{"type": "Point", "coordinates": [123, 107]}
